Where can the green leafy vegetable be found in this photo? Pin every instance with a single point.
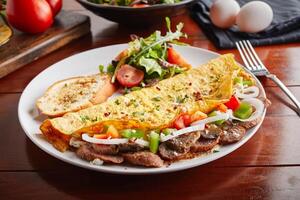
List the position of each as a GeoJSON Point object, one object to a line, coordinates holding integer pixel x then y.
{"type": "Point", "coordinates": [101, 69]}
{"type": "Point", "coordinates": [151, 66]}
{"type": "Point", "coordinates": [156, 39]}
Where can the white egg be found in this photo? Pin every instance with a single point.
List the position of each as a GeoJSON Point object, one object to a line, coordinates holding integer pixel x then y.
{"type": "Point", "coordinates": [254, 17]}
{"type": "Point", "coordinates": [223, 13]}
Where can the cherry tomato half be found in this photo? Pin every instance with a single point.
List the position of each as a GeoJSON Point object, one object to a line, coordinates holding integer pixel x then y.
{"type": "Point", "coordinates": [129, 76]}
{"type": "Point", "coordinates": [175, 58]}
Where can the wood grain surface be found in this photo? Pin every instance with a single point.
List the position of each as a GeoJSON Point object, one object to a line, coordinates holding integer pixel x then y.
{"type": "Point", "coordinates": [266, 167]}
{"type": "Point", "coordinates": [24, 48]}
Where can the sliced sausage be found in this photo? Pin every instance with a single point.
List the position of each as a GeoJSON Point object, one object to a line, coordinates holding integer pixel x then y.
{"type": "Point", "coordinates": [204, 144]}
{"type": "Point", "coordinates": [86, 152]}
{"type": "Point", "coordinates": [105, 149]}
{"type": "Point", "coordinates": [231, 133]}
{"type": "Point", "coordinates": [183, 143]}
{"type": "Point", "coordinates": [144, 158]}
{"type": "Point", "coordinates": [169, 154]}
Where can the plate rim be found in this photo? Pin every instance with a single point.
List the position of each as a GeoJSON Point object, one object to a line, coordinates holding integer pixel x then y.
{"type": "Point", "coordinates": [108, 169]}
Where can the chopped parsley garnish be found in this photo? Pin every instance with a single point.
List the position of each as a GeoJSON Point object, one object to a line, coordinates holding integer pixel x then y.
{"type": "Point", "coordinates": [156, 98]}
{"type": "Point", "coordinates": [85, 118]}
{"type": "Point", "coordinates": [182, 99]}
{"type": "Point", "coordinates": [117, 102]}
{"type": "Point", "coordinates": [135, 114]}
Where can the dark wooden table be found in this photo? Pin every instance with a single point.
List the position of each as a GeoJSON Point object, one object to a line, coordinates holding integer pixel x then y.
{"type": "Point", "coordinates": [266, 167]}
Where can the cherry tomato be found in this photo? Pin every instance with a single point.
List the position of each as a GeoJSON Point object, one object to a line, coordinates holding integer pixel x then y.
{"type": "Point", "coordinates": [175, 58]}
{"type": "Point", "coordinates": [30, 16]}
{"type": "Point", "coordinates": [55, 5]}
{"type": "Point", "coordinates": [179, 123]}
{"type": "Point", "coordinates": [129, 76]}
{"type": "Point", "coordinates": [233, 103]}
{"type": "Point", "coordinates": [140, 5]}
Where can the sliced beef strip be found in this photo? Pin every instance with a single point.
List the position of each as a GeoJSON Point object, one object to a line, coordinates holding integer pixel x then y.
{"type": "Point", "coordinates": [130, 147]}
{"type": "Point", "coordinates": [183, 143]}
{"type": "Point", "coordinates": [87, 152]}
{"type": "Point", "coordinates": [250, 124]}
{"type": "Point", "coordinates": [231, 132]}
{"type": "Point", "coordinates": [176, 148]}
{"type": "Point", "coordinates": [211, 131]}
{"type": "Point", "coordinates": [204, 144]}
{"type": "Point", "coordinates": [144, 158]}
{"type": "Point", "coordinates": [169, 154]}
{"type": "Point", "coordinates": [105, 149]}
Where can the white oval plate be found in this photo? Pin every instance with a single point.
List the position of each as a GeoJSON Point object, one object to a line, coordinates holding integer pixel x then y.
{"type": "Point", "coordinates": [87, 63]}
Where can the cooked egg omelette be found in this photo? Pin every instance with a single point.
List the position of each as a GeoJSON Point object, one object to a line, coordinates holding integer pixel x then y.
{"type": "Point", "coordinates": [198, 89]}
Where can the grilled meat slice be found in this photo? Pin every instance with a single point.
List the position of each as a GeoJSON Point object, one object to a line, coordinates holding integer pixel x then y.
{"type": "Point", "coordinates": [209, 138]}
{"type": "Point", "coordinates": [144, 158]}
{"type": "Point", "coordinates": [169, 154]}
{"type": "Point", "coordinates": [183, 143]}
{"type": "Point", "coordinates": [130, 147]}
{"type": "Point", "coordinates": [105, 149]}
{"type": "Point", "coordinates": [204, 144]}
{"type": "Point", "coordinates": [87, 152]}
{"type": "Point", "coordinates": [211, 132]}
{"type": "Point", "coordinates": [176, 148]}
{"type": "Point", "coordinates": [231, 133]}
{"type": "Point", "coordinates": [250, 124]}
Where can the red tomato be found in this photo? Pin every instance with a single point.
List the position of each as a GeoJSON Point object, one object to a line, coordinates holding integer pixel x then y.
{"type": "Point", "coordinates": [182, 121]}
{"type": "Point", "coordinates": [30, 16]}
{"type": "Point", "coordinates": [233, 103]}
{"type": "Point", "coordinates": [140, 5]}
{"type": "Point", "coordinates": [55, 5]}
{"type": "Point", "coordinates": [186, 119]}
{"type": "Point", "coordinates": [175, 58]}
{"type": "Point", "coordinates": [129, 76]}
{"type": "Point", "coordinates": [179, 123]}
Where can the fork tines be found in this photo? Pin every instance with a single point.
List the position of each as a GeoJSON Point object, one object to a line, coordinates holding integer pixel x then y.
{"type": "Point", "coordinates": [249, 56]}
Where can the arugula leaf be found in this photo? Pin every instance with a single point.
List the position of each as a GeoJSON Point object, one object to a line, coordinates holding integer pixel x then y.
{"type": "Point", "coordinates": [169, 37]}
{"type": "Point", "coordinates": [151, 65]}
{"type": "Point", "coordinates": [168, 21]}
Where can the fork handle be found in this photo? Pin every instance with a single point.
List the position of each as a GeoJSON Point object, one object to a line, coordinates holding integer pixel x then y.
{"type": "Point", "coordinates": [285, 90]}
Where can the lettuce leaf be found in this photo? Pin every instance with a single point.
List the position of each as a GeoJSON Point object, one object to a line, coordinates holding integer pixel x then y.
{"type": "Point", "coordinates": [150, 65]}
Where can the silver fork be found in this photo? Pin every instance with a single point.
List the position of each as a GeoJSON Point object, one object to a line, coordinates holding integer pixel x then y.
{"type": "Point", "coordinates": [254, 64]}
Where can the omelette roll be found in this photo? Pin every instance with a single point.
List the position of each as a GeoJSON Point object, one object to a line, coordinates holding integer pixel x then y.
{"type": "Point", "coordinates": [199, 89]}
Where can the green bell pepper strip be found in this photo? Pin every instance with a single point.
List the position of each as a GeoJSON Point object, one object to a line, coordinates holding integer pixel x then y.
{"type": "Point", "coordinates": [132, 133]}
{"type": "Point", "coordinates": [168, 131]}
{"type": "Point", "coordinates": [244, 111]}
{"type": "Point", "coordinates": [154, 140]}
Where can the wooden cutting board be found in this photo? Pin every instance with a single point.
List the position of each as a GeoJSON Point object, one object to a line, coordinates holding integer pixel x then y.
{"type": "Point", "coordinates": [23, 48]}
